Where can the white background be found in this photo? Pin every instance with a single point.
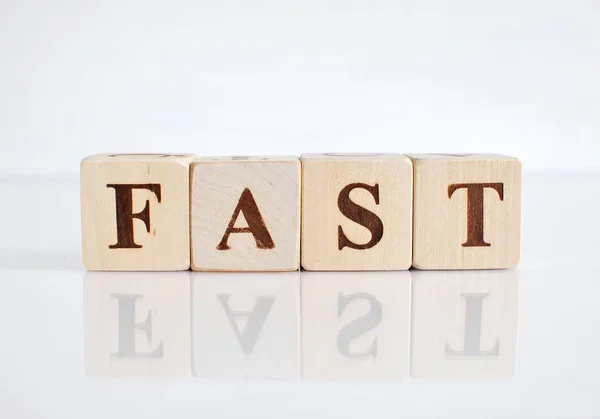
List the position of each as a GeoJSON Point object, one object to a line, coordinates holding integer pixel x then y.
{"type": "Point", "coordinates": [79, 77]}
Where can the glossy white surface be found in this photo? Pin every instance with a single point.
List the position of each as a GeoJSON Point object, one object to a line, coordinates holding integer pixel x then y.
{"type": "Point", "coordinates": [311, 345]}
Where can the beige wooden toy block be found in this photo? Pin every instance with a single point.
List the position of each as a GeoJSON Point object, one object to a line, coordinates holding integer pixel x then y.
{"type": "Point", "coordinates": [245, 214]}
{"type": "Point", "coordinates": [246, 325]}
{"type": "Point", "coordinates": [137, 325]}
{"type": "Point", "coordinates": [356, 212]}
{"type": "Point", "coordinates": [135, 212]}
{"type": "Point", "coordinates": [467, 211]}
{"type": "Point", "coordinates": [464, 324]}
{"type": "Point", "coordinates": [355, 325]}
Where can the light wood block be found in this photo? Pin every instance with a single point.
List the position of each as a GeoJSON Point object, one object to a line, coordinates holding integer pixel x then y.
{"type": "Point", "coordinates": [245, 214]}
{"type": "Point", "coordinates": [355, 326]}
{"type": "Point", "coordinates": [137, 325]}
{"type": "Point", "coordinates": [135, 212]}
{"type": "Point", "coordinates": [245, 325]}
{"type": "Point", "coordinates": [467, 211]}
{"type": "Point", "coordinates": [464, 324]}
{"type": "Point", "coordinates": [356, 212]}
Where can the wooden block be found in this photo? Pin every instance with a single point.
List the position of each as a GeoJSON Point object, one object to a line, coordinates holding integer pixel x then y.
{"type": "Point", "coordinates": [464, 324]}
{"type": "Point", "coordinates": [245, 325]}
{"type": "Point", "coordinates": [245, 214]}
{"type": "Point", "coordinates": [467, 211]}
{"type": "Point", "coordinates": [356, 212]}
{"type": "Point", "coordinates": [355, 326]}
{"type": "Point", "coordinates": [137, 324]}
{"type": "Point", "coordinates": [135, 212]}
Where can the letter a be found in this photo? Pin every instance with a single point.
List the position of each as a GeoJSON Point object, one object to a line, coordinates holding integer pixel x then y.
{"type": "Point", "coordinates": [256, 225]}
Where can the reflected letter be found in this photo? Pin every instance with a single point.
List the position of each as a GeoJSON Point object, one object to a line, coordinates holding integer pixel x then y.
{"type": "Point", "coordinates": [472, 341]}
{"type": "Point", "coordinates": [256, 319]}
{"type": "Point", "coordinates": [464, 324]}
{"type": "Point", "coordinates": [128, 326]}
{"type": "Point", "coordinates": [355, 325]}
{"type": "Point", "coordinates": [245, 325]}
{"type": "Point", "coordinates": [358, 326]}
{"type": "Point", "coordinates": [136, 324]}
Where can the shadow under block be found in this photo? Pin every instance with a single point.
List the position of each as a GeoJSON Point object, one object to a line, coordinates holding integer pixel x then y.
{"type": "Point", "coordinates": [356, 212]}
{"type": "Point", "coordinates": [245, 325]}
{"type": "Point", "coordinates": [137, 324]}
{"type": "Point", "coordinates": [355, 326]}
{"type": "Point", "coordinates": [135, 212]}
{"type": "Point", "coordinates": [245, 214]}
{"type": "Point", "coordinates": [464, 324]}
{"type": "Point", "coordinates": [467, 211]}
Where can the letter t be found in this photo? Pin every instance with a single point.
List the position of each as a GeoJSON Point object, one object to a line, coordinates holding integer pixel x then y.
{"type": "Point", "coordinates": [475, 209]}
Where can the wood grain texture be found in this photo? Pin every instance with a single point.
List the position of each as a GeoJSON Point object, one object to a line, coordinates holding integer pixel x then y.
{"type": "Point", "coordinates": [355, 326]}
{"type": "Point", "coordinates": [464, 324]}
{"type": "Point", "coordinates": [135, 212]}
{"type": "Point", "coordinates": [246, 325]}
{"type": "Point", "coordinates": [467, 211]}
{"type": "Point", "coordinates": [356, 212]}
{"type": "Point", "coordinates": [245, 214]}
{"type": "Point", "coordinates": [136, 325]}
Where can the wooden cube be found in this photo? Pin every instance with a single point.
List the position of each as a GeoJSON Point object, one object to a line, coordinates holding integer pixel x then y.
{"type": "Point", "coordinates": [355, 326]}
{"type": "Point", "coordinates": [356, 212]}
{"type": "Point", "coordinates": [137, 325]}
{"type": "Point", "coordinates": [245, 325]}
{"type": "Point", "coordinates": [135, 212]}
{"type": "Point", "coordinates": [464, 324]}
{"type": "Point", "coordinates": [467, 211]}
{"type": "Point", "coordinates": [245, 214]}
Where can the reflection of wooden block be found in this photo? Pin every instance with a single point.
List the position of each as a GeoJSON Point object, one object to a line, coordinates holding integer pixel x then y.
{"type": "Point", "coordinates": [245, 326]}
{"type": "Point", "coordinates": [137, 324]}
{"type": "Point", "coordinates": [464, 324]}
{"type": "Point", "coordinates": [135, 212]}
{"type": "Point", "coordinates": [246, 214]}
{"type": "Point", "coordinates": [356, 212]}
{"type": "Point", "coordinates": [467, 211]}
{"type": "Point", "coordinates": [355, 325]}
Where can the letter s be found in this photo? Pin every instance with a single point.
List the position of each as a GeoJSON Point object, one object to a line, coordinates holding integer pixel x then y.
{"type": "Point", "coordinates": [360, 216]}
